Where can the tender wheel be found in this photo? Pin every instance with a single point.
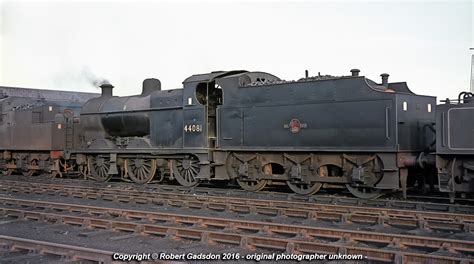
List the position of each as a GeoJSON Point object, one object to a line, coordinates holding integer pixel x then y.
{"type": "Point", "coordinates": [371, 168]}
{"type": "Point", "coordinates": [30, 173]}
{"type": "Point", "coordinates": [304, 188]}
{"type": "Point", "coordinates": [237, 166]}
{"type": "Point", "coordinates": [141, 170]}
{"type": "Point", "coordinates": [364, 192]}
{"type": "Point", "coordinates": [252, 185]}
{"type": "Point", "coordinates": [255, 185]}
{"type": "Point", "coordinates": [100, 168]}
{"type": "Point", "coordinates": [186, 170]}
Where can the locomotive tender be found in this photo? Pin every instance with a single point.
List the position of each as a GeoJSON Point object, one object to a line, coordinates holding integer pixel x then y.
{"type": "Point", "coordinates": [252, 127]}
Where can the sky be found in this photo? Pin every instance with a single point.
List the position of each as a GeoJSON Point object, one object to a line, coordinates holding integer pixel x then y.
{"type": "Point", "coordinates": [63, 45]}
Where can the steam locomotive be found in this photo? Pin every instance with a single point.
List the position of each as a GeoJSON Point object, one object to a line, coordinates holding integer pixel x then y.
{"type": "Point", "coordinates": [258, 130]}
{"type": "Point", "coordinates": [29, 137]}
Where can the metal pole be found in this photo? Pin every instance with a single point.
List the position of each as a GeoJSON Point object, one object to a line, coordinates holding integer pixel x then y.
{"type": "Point", "coordinates": [472, 72]}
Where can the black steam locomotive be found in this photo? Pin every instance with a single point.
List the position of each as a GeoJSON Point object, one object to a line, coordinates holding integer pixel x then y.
{"type": "Point", "coordinates": [258, 130]}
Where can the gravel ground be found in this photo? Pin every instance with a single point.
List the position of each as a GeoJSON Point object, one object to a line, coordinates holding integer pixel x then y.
{"type": "Point", "coordinates": [241, 216]}
{"type": "Point", "coordinates": [112, 240]}
{"type": "Point", "coordinates": [131, 243]}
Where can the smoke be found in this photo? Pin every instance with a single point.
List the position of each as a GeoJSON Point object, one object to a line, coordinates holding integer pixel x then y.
{"type": "Point", "coordinates": [92, 79]}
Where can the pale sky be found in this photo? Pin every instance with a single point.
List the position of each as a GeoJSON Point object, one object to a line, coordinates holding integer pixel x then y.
{"type": "Point", "coordinates": [61, 44]}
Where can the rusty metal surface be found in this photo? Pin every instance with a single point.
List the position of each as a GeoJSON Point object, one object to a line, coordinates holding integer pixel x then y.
{"type": "Point", "coordinates": [419, 203]}
{"type": "Point", "coordinates": [314, 211]}
{"type": "Point", "coordinates": [253, 233]}
{"type": "Point", "coordinates": [293, 238]}
{"type": "Point", "coordinates": [71, 253]}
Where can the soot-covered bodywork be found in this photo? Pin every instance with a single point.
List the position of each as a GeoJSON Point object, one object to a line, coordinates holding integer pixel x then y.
{"type": "Point", "coordinates": [36, 125]}
{"type": "Point", "coordinates": [249, 127]}
{"type": "Point", "coordinates": [343, 114]}
{"type": "Point", "coordinates": [333, 130]}
{"type": "Point", "coordinates": [257, 129]}
{"type": "Point", "coordinates": [455, 145]}
{"type": "Point", "coordinates": [168, 130]}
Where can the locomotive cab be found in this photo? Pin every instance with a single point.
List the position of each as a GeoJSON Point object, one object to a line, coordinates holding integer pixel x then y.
{"type": "Point", "coordinates": [203, 96]}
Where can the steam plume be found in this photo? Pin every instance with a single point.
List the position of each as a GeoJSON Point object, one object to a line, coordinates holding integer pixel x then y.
{"type": "Point", "coordinates": [92, 78]}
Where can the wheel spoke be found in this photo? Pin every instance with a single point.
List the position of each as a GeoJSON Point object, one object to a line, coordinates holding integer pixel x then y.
{"type": "Point", "coordinates": [141, 170]}
{"type": "Point", "coordinates": [189, 176]}
{"type": "Point", "coordinates": [186, 170]}
{"type": "Point", "coordinates": [139, 174]}
{"type": "Point", "coordinates": [103, 171]}
{"type": "Point", "coordinates": [100, 168]}
{"type": "Point", "coordinates": [193, 170]}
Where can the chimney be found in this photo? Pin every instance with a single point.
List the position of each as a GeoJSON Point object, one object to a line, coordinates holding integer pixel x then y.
{"type": "Point", "coordinates": [150, 85]}
{"type": "Point", "coordinates": [384, 79]}
{"type": "Point", "coordinates": [355, 72]}
{"type": "Point", "coordinates": [106, 89]}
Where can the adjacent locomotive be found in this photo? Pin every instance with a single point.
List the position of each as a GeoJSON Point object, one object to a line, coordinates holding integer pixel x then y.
{"type": "Point", "coordinates": [29, 136]}
{"type": "Point", "coordinates": [455, 145]}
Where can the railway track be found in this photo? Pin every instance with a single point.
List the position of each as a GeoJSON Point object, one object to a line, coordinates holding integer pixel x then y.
{"type": "Point", "coordinates": [375, 246]}
{"type": "Point", "coordinates": [424, 203]}
{"type": "Point", "coordinates": [455, 222]}
{"type": "Point", "coordinates": [26, 250]}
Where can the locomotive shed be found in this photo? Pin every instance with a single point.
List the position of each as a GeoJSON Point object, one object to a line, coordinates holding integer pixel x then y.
{"type": "Point", "coordinates": [237, 164]}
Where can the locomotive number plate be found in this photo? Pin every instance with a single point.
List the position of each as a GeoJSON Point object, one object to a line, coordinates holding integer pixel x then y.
{"type": "Point", "coordinates": [193, 128]}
